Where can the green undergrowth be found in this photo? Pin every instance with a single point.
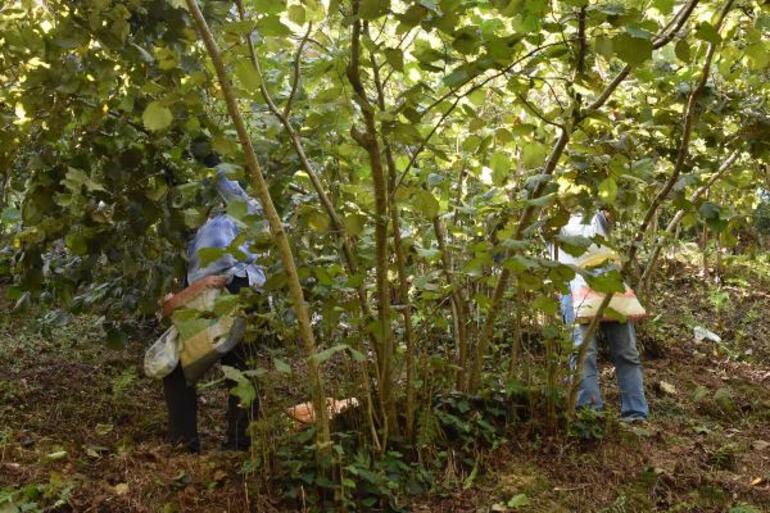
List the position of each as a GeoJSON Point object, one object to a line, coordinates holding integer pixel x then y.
{"type": "Point", "coordinates": [83, 428]}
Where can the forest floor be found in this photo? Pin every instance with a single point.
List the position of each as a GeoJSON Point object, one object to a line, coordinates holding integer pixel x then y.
{"type": "Point", "coordinates": [81, 428]}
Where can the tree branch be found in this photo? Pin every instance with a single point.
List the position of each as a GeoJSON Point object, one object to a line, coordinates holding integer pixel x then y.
{"type": "Point", "coordinates": [297, 57]}
{"type": "Point", "coordinates": [674, 223]}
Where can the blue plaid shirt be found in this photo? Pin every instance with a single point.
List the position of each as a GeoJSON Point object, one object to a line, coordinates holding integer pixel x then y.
{"type": "Point", "coordinates": [219, 232]}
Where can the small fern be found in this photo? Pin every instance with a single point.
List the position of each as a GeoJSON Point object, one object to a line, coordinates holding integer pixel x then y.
{"type": "Point", "coordinates": [619, 506]}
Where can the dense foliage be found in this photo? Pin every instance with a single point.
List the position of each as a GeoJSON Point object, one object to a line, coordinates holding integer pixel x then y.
{"type": "Point", "coordinates": [422, 155]}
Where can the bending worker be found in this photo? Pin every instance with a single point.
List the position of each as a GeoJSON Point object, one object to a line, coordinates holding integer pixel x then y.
{"type": "Point", "coordinates": [181, 397]}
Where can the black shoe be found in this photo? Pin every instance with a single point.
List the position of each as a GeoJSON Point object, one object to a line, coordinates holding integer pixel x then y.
{"type": "Point", "coordinates": [189, 446]}
{"type": "Point", "coordinates": [241, 444]}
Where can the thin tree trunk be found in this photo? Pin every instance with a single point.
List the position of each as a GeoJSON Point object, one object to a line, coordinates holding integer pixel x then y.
{"type": "Point", "coordinates": [369, 141]}
{"type": "Point", "coordinates": [276, 228]}
{"type": "Point", "coordinates": [403, 282]}
{"type": "Point", "coordinates": [338, 228]}
{"type": "Point", "coordinates": [459, 305]}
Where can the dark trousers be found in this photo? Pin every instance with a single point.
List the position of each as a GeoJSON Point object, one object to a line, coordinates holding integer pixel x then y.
{"type": "Point", "coordinates": [182, 401]}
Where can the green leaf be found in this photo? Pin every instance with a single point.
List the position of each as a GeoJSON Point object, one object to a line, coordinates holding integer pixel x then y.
{"type": "Point", "coordinates": [632, 50]}
{"type": "Point", "coordinates": [471, 143]}
{"type": "Point", "coordinates": [758, 55]}
{"type": "Point", "coordinates": [501, 167]}
{"type": "Point", "coordinates": [243, 389]}
{"type": "Point", "coordinates": [318, 221]}
{"type": "Point", "coordinates": [208, 255]}
{"type": "Point", "coordinates": [237, 209]}
{"type": "Point", "coordinates": [225, 304]}
{"type": "Point", "coordinates": [371, 9]}
{"type": "Point", "coordinates": [608, 190]}
{"type": "Point", "coordinates": [354, 224]}
{"type": "Point", "coordinates": [247, 75]}
{"type": "Point", "coordinates": [518, 501]}
{"type": "Point", "coordinates": [328, 353]}
{"type": "Point", "coordinates": [156, 116]}
{"type": "Point", "coordinates": [269, 6]}
{"type": "Point", "coordinates": [413, 15]}
{"type": "Point", "coordinates": [547, 305]}
{"type": "Point", "coordinates": [281, 366]}
{"type": "Point", "coordinates": [297, 14]}
{"type": "Point", "coordinates": [395, 58]}
{"type": "Point", "coordinates": [533, 154]}
{"type": "Point", "coordinates": [610, 281]}
{"type": "Point", "coordinates": [272, 26]}
{"type": "Point", "coordinates": [224, 145]}
{"type": "Point", "coordinates": [467, 40]}
{"type": "Point", "coordinates": [425, 203]}
{"type": "Point", "coordinates": [664, 6]}
{"type": "Point", "coordinates": [574, 245]}
{"type": "Point", "coordinates": [459, 75]}
{"type": "Point", "coordinates": [76, 242]}
{"type": "Point", "coordinates": [314, 10]}
{"type": "Point", "coordinates": [707, 32]}
{"type": "Point", "coordinates": [614, 315]}
{"type": "Point", "coordinates": [682, 51]}
{"type": "Point", "coordinates": [603, 46]}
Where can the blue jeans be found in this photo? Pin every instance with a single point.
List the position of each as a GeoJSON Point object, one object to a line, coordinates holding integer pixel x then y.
{"type": "Point", "coordinates": [621, 338]}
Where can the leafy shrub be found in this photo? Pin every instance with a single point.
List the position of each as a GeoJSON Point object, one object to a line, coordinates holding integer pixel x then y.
{"type": "Point", "coordinates": [589, 424]}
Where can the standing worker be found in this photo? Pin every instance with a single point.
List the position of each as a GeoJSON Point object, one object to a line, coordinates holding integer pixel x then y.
{"type": "Point", "coordinates": [577, 308]}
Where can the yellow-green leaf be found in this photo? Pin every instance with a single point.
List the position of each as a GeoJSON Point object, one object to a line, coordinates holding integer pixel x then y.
{"type": "Point", "coordinates": [156, 116]}
{"type": "Point", "coordinates": [297, 14]}
{"type": "Point", "coordinates": [247, 75]}
{"type": "Point", "coordinates": [608, 190]}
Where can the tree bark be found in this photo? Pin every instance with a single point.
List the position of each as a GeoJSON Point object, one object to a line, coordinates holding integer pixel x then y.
{"type": "Point", "coordinates": [369, 141]}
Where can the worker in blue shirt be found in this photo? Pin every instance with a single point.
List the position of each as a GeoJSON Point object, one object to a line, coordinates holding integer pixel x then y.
{"type": "Point", "coordinates": [242, 271]}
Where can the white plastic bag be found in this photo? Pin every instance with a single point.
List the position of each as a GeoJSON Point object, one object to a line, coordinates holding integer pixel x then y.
{"type": "Point", "coordinates": [162, 357]}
